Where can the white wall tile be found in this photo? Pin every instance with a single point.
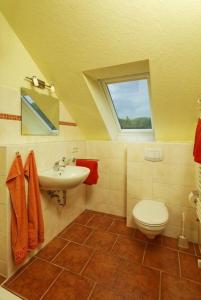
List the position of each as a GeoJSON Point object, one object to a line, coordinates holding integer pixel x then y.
{"type": "Point", "coordinates": [169, 181]}
{"type": "Point", "coordinates": [3, 161]}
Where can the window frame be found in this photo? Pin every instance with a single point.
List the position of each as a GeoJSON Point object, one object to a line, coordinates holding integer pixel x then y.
{"type": "Point", "coordinates": [106, 81]}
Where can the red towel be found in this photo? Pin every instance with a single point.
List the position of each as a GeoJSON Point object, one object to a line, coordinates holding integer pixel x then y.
{"type": "Point", "coordinates": [93, 166]}
{"type": "Point", "coordinates": [19, 224]}
{"type": "Point", "coordinates": [197, 143]}
{"type": "Point", "coordinates": [35, 217]}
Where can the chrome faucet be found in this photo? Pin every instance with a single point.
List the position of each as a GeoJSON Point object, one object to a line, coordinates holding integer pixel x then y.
{"type": "Point", "coordinates": [56, 166]}
{"type": "Point", "coordinates": [61, 164]}
{"type": "Point", "coordinates": [67, 161]}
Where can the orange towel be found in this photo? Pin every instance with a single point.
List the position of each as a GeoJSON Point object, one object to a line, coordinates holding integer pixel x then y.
{"type": "Point", "coordinates": [35, 217]}
{"type": "Point", "coordinates": [19, 224]}
{"type": "Point", "coordinates": [197, 143]}
{"type": "Point", "coordinates": [93, 166]}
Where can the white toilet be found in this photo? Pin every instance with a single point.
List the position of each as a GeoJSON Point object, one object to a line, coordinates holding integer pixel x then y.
{"type": "Point", "coordinates": [151, 217]}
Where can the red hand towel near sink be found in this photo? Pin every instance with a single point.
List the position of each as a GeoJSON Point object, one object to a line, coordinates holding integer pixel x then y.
{"type": "Point", "coordinates": [93, 166]}
{"type": "Point", "coordinates": [197, 143]}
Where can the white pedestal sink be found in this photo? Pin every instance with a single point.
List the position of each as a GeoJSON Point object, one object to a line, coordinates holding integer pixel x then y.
{"type": "Point", "coordinates": [67, 178]}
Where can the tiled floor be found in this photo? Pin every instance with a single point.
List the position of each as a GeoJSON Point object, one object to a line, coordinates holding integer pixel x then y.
{"type": "Point", "coordinates": [98, 258]}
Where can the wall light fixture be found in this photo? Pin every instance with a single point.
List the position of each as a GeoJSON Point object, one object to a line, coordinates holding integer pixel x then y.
{"type": "Point", "coordinates": [40, 83]}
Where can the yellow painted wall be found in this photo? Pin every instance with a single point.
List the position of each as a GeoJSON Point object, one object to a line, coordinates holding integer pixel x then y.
{"type": "Point", "coordinates": [66, 38]}
{"type": "Point", "coordinates": [15, 64]}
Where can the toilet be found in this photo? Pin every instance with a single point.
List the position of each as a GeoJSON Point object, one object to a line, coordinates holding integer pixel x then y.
{"type": "Point", "coordinates": [151, 217]}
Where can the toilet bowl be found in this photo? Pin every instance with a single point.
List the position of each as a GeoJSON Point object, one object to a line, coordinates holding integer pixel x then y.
{"type": "Point", "coordinates": [151, 217]}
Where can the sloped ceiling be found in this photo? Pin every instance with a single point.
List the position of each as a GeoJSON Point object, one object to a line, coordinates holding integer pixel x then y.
{"type": "Point", "coordinates": [67, 37]}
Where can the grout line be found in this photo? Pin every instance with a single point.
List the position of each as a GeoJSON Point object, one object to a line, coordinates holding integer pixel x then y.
{"type": "Point", "coordinates": [92, 290]}
{"type": "Point", "coordinates": [115, 242]}
{"type": "Point", "coordinates": [188, 279]}
{"type": "Point", "coordinates": [74, 223]}
{"type": "Point", "coordinates": [21, 271]}
{"type": "Point", "coordinates": [37, 256]}
{"type": "Point", "coordinates": [58, 253]}
{"type": "Point", "coordinates": [185, 252]}
{"type": "Point", "coordinates": [90, 219]}
{"type": "Point", "coordinates": [118, 236]}
{"type": "Point", "coordinates": [107, 229]}
{"type": "Point", "coordinates": [86, 264]}
{"type": "Point", "coordinates": [88, 237]}
{"type": "Point", "coordinates": [64, 239]}
{"type": "Point", "coordinates": [157, 269]}
{"type": "Point", "coordinates": [64, 268]}
{"type": "Point", "coordinates": [145, 249]}
{"type": "Point", "coordinates": [179, 264]}
{"type": "Point", "coordinates": [60, 267]}
{"type": "Point", "coordinates": [51, 263]}
{"type": "Point", "coordinates": [51, 284]}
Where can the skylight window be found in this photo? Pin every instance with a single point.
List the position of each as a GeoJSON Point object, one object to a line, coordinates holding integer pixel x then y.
{"type": "Point", "coordinates": [130, 103]}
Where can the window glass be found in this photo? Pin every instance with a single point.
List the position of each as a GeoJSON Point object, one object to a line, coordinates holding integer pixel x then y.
{"type": "Point", "coordinates": [131, 103]}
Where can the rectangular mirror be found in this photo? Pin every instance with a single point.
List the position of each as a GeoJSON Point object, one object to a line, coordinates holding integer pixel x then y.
{"type": "Point", "coordinates": [40, 113]}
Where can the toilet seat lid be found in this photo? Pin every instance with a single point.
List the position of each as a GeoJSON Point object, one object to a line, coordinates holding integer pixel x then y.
{"type": "Point", "coordinates": [151, 212]}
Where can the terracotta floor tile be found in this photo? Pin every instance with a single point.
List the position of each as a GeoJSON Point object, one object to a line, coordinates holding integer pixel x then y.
{"type": "Point", "coordinates": [101, 240]}
{"type": "Point", "coordinates": [2, 279]}
{"type": "Point", "coordinates": [139, 281]}
{"type": "Point", "coordinates": [189, 267]}
{"type": "Point", "coordinates": [35, 280]}
{"type": "Point", "coordinates": [52, 249]}
{"type": "Point", "coordinates": [116, 275]}
{"type": "Point", "coordinates": [129, 248]}
{"type": "Point", "coordinates": [59, 235]}
{"type": "Point", "coordinates": [84, 218]}
{"type": "Point", "coordinates": [162, 258]}
{"type": "Point", "coordinates": [101, 293]}
{"type": "Point", "coordinates": [140, 236]}
{"type": "Point", "coordinates": [73, 257]}
{"type": "Point", "coordinates": [20, 270]}
{"type": "Point", "coordinates": [102, 268]}
{"type": "Point", "coordinates": [120, 227]}
{"type": "Point", "coordinates": [173, 288]}
{"type": "Point", "coordinates": [76, 233]}
{"type": "Point", "coordinates": [69, 286]}
{"type": "Point", "coordinates": [173, 243]}
{"type": "Point", "coordinates": [100, 221]}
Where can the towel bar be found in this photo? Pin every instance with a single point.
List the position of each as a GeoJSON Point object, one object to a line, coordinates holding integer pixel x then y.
{"type": "Point", "coordinates": [95, 159]}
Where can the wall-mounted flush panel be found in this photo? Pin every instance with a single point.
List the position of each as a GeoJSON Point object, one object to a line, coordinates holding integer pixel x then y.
{"type": "Point", "coordinates": [153, 154]}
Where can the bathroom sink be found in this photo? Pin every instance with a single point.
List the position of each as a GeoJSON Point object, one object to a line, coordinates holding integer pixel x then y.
{"type": "Point", "coordinates": [66, 178]}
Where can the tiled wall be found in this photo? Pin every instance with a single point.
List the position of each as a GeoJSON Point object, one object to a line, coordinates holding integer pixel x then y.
{"type": "Point", "coordinates": [3, 213]}
{"type": "Point", "coordinates": [124, 178]}
{"type": "Point", "coordinates": [55, 217]}
{"type": "Point", "coordinates": [109, 195]}
{"type": "Point", "coordinates": [169, 181]}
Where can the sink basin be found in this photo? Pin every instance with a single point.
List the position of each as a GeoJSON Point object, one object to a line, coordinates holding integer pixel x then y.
{"type": "Point", "coordinates": [68, 178]}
